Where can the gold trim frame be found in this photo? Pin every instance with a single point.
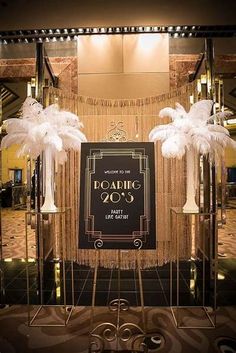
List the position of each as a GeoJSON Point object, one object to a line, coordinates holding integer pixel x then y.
{"type": "Point", "coordinates": [137, 236]}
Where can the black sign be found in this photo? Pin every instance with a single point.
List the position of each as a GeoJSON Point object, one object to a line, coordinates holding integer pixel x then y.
{"type": "Point", "coordinates": [117, 196]}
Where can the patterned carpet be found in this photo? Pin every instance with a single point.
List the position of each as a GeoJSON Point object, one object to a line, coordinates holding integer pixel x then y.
{"type": "Point", "coordinates": [13, 234]}
{"type": "Point", "coordinates": [17, 337]}
{"type": "Point", "coordinates": [227, 236]}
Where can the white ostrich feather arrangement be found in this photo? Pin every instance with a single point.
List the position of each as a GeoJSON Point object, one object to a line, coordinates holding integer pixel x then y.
{"type": "Point", "coordinates": [192, 129]}
{"type": "Point", "coordinates": [40, 128]}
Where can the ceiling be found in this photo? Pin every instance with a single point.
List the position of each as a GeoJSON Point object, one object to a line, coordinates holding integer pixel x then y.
{"type": "Point", "coordinates": [31, 14]}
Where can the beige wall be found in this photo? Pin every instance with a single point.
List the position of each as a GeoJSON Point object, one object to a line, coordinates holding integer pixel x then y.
{"type": "Point", "coordinates": [123, 66]}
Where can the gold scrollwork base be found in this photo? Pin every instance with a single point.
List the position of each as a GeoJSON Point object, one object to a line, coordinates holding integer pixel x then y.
{"type": "Point", "coordinates": [119, 305]}
{"type": "Point", "coordinates": [128, 332]}
{"type": "Point", "coordinates": [108, 333]}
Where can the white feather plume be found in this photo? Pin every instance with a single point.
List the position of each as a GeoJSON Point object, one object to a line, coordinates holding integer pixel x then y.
{"type": "Point", "coordinates": [180, 109]}
{"type": "Point", "coordinates": [39, 128]}
{"type": "Point", "coordinates": [192, 129]}
{"type": "Point", "coordinates": [174, 146]}
{"type": "Point", "coordinates": [31, 108]}
{"type": "Point", "coordinates": [217, 128]}
{"type": "Point", "coordinates": [201, 110]}
{"type": "Point", "coordinates": [162, 132]}
{"type": "Point", "coordinates": [13, 125]}
{"type": "Point", "coordinates": [219, 116]}
{"type": "Point", "coordinates": [169, 113]}
{"type": "Point", "coordinates": [13, 138]}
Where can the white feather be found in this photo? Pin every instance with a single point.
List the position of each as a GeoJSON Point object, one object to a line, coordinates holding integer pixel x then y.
{"type": "Point", "coordinates": [217, 128]}
{"type": "Point", "coordinates": [53, 140]}
{"type": "Point", "coordinates": [40, 128]}
{"type": "Point", "coordinates": [12, 139]}
{"type": "Point", "coordinates": [168, 112]}
{"type": "Point", "coordinates": [175, 146]}
{"type": "Point", "coordinates": [73, 133]}
{"type": "Point", "coordinates": [180, 109]}
{"type": "Point", "coordinates": [201, 144]}
{"type": "Point", "coordinates": [201, 110]}
{"type": "Point", "coordinates": [184, 124]}
{"type": "Point", "coordinates": [51, 109]}
{"type": "Point", "coordinates": [162, 132]}
{"type": "Point", "coordinates": [13, 125]}
{"type": "Point", "coordinates": [31, 108]}
{"type": "Point", "coordinates": [220, 116]}
{"type": "Point", "coordinates": [192, 129]}
{"type": "Point", "coordinates": [70, 141]}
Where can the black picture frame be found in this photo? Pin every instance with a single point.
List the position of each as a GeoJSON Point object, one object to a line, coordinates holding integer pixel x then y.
{"type": "Point", "coordinates": [117, 196]}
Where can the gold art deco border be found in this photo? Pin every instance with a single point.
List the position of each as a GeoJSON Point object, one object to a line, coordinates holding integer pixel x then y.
{"type": "Point", "coordinates": [135, 153]}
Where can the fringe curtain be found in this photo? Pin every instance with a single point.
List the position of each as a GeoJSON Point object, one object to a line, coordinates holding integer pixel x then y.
{"type": "Point", "coordinates": [89, 106]}
{"type": "Point", "coordinates": [135, 118]}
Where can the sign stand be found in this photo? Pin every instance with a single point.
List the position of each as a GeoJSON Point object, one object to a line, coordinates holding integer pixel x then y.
{"type": "Point", "coordinates": [116, 333]}
{"type": "Point", "coordinates": [117, 191]}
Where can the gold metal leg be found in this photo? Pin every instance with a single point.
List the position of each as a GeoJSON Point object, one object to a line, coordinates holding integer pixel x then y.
{"type": "Point", "coordinates": [171, 264]}
{"type": "Point", "coordinates": [27, 267]}
{"type": "Point", "coordinates": [66, 313]}
{"type": "Point", "coordinates": [141, 290]}
{"type": "Point", "coordinates": [177, 309]}
{"type": "Point", "coordinates": [94, 288]}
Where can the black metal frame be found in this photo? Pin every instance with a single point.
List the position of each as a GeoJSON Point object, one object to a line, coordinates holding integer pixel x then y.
{"type": "Point", "coordinates": [180, 31]}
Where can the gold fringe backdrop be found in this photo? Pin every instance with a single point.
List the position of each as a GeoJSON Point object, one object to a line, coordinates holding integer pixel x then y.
{"type": "Point", "coordinates": [133, 119]}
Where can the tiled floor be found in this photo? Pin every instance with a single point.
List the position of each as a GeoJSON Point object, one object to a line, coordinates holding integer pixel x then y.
{"type": "Point", "coordinates": [155, 282]}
